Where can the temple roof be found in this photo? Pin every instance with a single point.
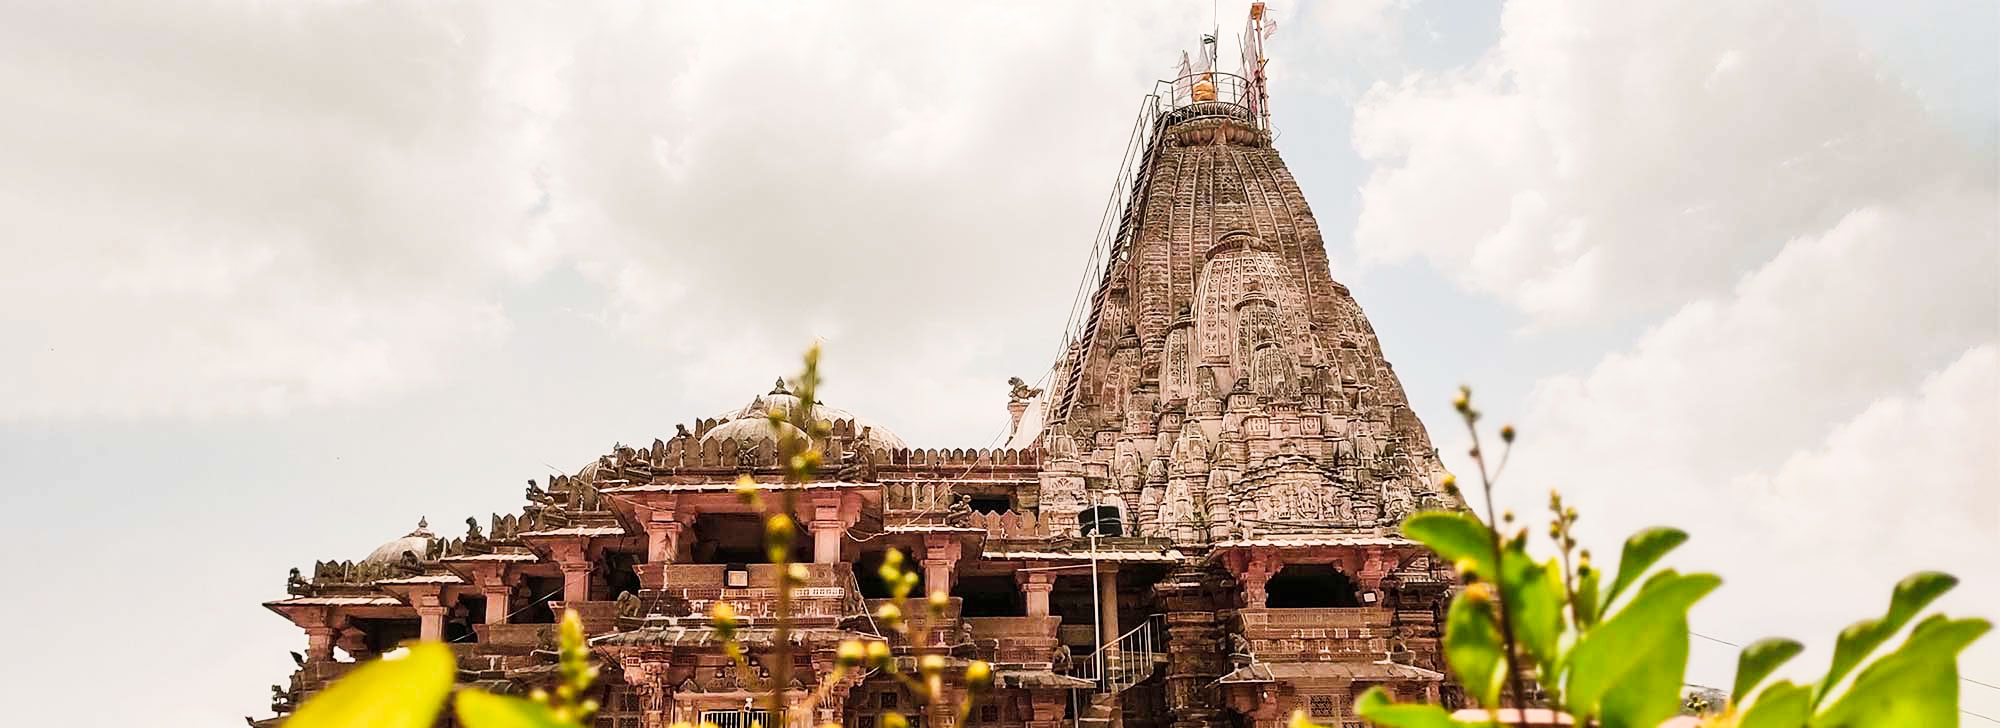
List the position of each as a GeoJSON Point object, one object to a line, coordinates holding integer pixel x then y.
{"type": "Point", "coordinates": [749, 424]}
{"type": "Point", "coordinates": [416, 543]}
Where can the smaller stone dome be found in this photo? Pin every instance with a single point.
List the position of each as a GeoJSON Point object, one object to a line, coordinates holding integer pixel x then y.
{"type": "Point", "coordinates": [749, 425]}
{"type": "Point", "coordinates": [416, 542]}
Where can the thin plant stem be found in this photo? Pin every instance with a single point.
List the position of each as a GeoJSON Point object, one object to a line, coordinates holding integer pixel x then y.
{"type": "Point", "coordinates": [1511, 658]}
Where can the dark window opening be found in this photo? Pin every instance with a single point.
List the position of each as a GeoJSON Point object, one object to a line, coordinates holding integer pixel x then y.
{"type": "Point", "coordinates": [992, 504]}
{"type": "Point", "coordinates": [738, 538]}
{"type": "Point", "coordinates": [868, 576]}
{"type": "Point", "coordinates": [621, 574]}
{"type": "Point", "coordinates": [531, 605]}
{"type": "Point", "coordinates": [1303, 586]}
{"type": "Point", "coordinates": [990, 596]}
{"type": "Point", "coordinates": [383, 635]}
{"type": "Point", "coordinates": [1101, 520]}
{"type": "Point", "coordinates": [458, 624]}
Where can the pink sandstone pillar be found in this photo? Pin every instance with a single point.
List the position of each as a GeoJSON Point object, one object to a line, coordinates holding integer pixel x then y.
{"type": "Point", "coordinates": [576, 581]}
{"type": "Point", "coordinates": [319, 643]}
{"type": "Point", "coordinates": [826, 542]}
{"type": "Point", "coordinates": [1037, 585]}
{"type": "Point", "coordinates": [496, 603]}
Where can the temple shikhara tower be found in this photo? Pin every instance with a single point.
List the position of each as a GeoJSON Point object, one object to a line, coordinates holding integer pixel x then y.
{"type": "Point", "coordinates": [1193, 524]}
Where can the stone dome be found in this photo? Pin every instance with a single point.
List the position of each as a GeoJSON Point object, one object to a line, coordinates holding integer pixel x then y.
{"type": "Point", "coordinates": [416, 542]}
{"type": "Point", "coordinates": [748, 424]}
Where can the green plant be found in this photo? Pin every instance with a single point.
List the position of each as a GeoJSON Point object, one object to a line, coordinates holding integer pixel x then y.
{"type": "Point", "coordinates": [1613, 653]}
{"type": "Point", "coordinates": [409, 690]}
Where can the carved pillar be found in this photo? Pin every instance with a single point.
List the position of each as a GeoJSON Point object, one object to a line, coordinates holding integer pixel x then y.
{"type": "Point", "coordinates": [1037, 585]}
{"type": "Point", "coordinates": [1373, 567]}
{"type": "Point", "coordinates": [497, 597]}
{"type": "Point", "coordinates": [429, 601]}
{"type": "Point", "coordinates": [663, 537]}
{"type": "Point", "coordinates": [1254, 577]}
{"type": "Point", "coordinates": [940, 559]}
{"type": "Point", "coordinates": [319, 643]}
{"type": "Point", "coordinates": [646, 673]}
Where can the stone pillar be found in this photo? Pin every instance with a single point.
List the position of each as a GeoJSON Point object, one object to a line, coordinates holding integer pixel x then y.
{"type": "Point", "coordinates": [497, 602]}
{"type": "Point", "coordinates": [940, 557]}
{"type": "Point", "coordinates": [1107, 605]}
{"type": "Point", "coordinates": [429, 602]}
{"type": "Point", "coordinates": [319, 643]}
{"type": "Point", "coordinates": [647, 676]}
{"type": "Point", "coordinates": [1375, 566]}
{"type": "Point", "coordinates": [576, 581]}
{"type": "Point", "coordinates": [1037, 585]}
{"type": "Point", "coordinates": [663, 538]}
{"type": "Point", "coordinates": [826, 541]}
{"type": "Point", "coordinates": [1254, 577]}
{"type": "Point", "coordinates": [1107, 617]}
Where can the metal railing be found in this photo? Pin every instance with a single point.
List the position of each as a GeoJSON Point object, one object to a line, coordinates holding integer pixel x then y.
{"type": "Point", "coordinates": [1126, 661]}
{"type": "Point", "coordinates": [1209, 93]}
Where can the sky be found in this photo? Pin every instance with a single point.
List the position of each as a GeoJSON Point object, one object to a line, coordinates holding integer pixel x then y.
{"type": "Point", "coordinates": [281, 278]}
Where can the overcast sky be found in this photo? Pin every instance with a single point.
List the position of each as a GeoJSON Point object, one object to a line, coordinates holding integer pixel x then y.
{"type": "Point", "coordinates": [282, 277]}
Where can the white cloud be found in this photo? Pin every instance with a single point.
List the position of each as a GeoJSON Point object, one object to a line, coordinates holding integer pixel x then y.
{"type": "Point", "coordinates": [1604, 159]}
{"type": "Point", "coordinates": [1816, 404]}
{"type": "Point", "coordinates": [231, 208]}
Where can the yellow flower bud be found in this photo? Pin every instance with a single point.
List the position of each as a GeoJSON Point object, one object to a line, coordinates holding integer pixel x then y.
{"type": "Point", "coordinates": [930, 666]}
{"type": "Point", "coordinates": [939, 600]}
{"type": "Point", "coordinates": [1507, 433]}
{"type": "Point", "coordinates": [850, 654]}
{"type": "Point", "coordinates": [1479, 593]}
{"type": "Point", "coordinates": [880, 657]}
{"type": "Point", "coordinates": [893, 719]}
{"type": "Point", "coordinates": [978, 676]}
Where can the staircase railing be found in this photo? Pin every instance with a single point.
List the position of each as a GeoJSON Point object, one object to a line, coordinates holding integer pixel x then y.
{"type": "Point", "coordinates": [1126, 661]}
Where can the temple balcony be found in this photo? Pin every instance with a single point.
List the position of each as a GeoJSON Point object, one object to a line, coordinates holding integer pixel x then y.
{"type": "Point", "coordinates": [1015, 640]}
{"type": "Point", "coordinates": [1318, 633]}
{"type": "Point", "coordinates": [829, 593]}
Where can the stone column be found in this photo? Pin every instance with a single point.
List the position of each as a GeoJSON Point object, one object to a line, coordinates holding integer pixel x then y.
{"type": "Point", "coordinates": [576, 581]}
{"type": "Point", "coordinates": [940, 556]}
{"type": "Point", "coordinates": [1107, 605]}
{"type": "Point", "coordinates": [1037, 585]}
{"type": "Point", "coordinates": [319, 643]}
{"type": "Point", "coordinates": [497, 601]}
{"type": "Point", "coordinates": [429, 602]}
{"type": "Point", "coordinates": [826, 541]}
{"type": "Point", "coordinates": [1254, 577]}
{"type": "Point", "coordinates": [663, 537]}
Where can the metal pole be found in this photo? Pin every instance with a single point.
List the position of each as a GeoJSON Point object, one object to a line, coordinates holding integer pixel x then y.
{"type": "Point", "coordinates": [1097, 609]}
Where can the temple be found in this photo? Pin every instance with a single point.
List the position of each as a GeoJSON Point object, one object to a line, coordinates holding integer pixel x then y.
{"type": "Point", "coordinates": [1193, 523]}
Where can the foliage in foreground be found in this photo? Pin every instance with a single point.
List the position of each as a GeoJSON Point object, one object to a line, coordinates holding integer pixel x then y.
{"type": "Point", "coordinates": [409, 690]}
{"type": "Point", "coordinates": [1611, 650]}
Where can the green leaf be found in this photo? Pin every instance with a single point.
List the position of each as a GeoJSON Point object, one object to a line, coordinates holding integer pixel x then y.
{"type": "Point", "coordinates": [1457, 537]}
{"type": "Point", "coordinates": [1586, 598]}
{"type": "Point", "coordinates": [1534, 597]}
{"type": "Point", "coordinates": [481, 709]}
{"type": "Point", "coordinates": [1642, 550]}
{"type": "Point", "coordinates": [1757, 661]}
{"type": "Point", "coordinates": [1912, 594]}
{"type": "Point", "coordinates": [1783, 705]}
{"type": "Point", "coordinates": [1915, 685]}
{"type": "Point", "coordinates": [404, 692]}
{"type": "Point", "coordinates": [1639, 653]}
{"type": "Point", "coordinates": [1473, 647]}
{"type": "Point", "coordinates": [1375, 707]}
